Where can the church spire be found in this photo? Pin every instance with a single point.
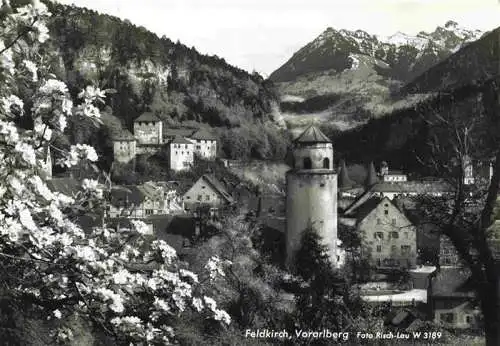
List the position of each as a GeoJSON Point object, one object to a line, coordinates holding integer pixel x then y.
{"type": "Point", "coordinates": [344, 180]}
{"type": "Point", "coordinates": [371, 178]}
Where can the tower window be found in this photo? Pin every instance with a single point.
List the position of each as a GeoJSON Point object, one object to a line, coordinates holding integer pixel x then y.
{"type": "Point", "coordinates": [326, 163]}
{"type": "Point", "coordinates": [307, 163]}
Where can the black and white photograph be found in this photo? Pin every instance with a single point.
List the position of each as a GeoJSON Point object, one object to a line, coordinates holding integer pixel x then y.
{"type": "Point", "coordinates": [249, 172]}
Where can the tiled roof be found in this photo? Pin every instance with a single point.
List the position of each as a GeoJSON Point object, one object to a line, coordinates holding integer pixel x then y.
{"type": "Point", "coordinates": [418, 187]}
{"type": "Point", "coordinates": [123, 135]}
{"type": "Point", "coordinates": [130, 193]}
{"type": "Point", "coordinates": [67, 186]}
{"type": "Point", "coordinates": [151, 190]}
{"type": "Point", "coordinates": [366, 208]}
{"type": "Point", "coordinates": [312, 135]}
{"type": "Point", "coordinates": [182, 132]}
{"type": "Point", "coordinates": [180, 140]}
{"type": "Point", "coordinates": [218, 186]}
{"type": "Point", "coordinates": [203, 135]}
{"type": "Point", "coordinates": [452, 282]}
{"type": "Point", "coordinates": [147, 117]}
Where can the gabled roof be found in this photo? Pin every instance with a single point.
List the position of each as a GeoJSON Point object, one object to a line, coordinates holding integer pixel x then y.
{"type": "Point", "coordinates": [312, 135]}
{"type": "Point", "coordinates": [123, 135]}
{"type": "Point", "coordinates": [151, 190]}
{"type": "Point", "coordinates": [147, 117]}
{"type": "Point", "coordinates": [180, 140]}
{"type": "Point", "coordinates": [218, 186]}
{"type": "Point", "coordinates": [67, 186]}
{"type": "Point", "coordinates": [203, 135]}
{"type": "Point", "coordinates": [366, 208]}
{"type": "Point", "coordinates": [130, 193]}
{"type": "Point", "coordinates": [182, 132]}
{"type": "Point", "coordinates": [452, 282]}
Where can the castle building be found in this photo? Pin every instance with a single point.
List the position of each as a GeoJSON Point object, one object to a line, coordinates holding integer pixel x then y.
{"type": "Point", "coordinates": [311, 193]}
{"type": "Point", "coordinates": [468, 171]}
{"type": "Point", "coordinates": [124, 147]}
{"type": "Point", "coordinates": [148, 129]}
{"type": "Point", "coordinates": [205, 144]}
{"type": "Point", "coordinates": [180, 154]}
{"type": "Point", "coordinates": [391, 175]}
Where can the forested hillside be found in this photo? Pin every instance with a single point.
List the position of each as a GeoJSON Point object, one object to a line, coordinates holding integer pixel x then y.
{"type": "Point", "coordinates": [179, 84]}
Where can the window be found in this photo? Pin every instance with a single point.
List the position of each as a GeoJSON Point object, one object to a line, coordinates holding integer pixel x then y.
{"type": "Point", "coordinates": [207, 197]}
{"type": "Point", "coordinates": [407, 235]}
{"type": "Point", "coordinates": [378, 235]}
{"type": "Point", "coordinates": [326, 163]}
{"type": "Point", "coordinates": [447, 318]}
{"type": "Point", "coordinates": [379, 248]}
{"type": "Point", "coordinates": [379, 222]}
{"type": "Point", "coordinates": [203, 187]}
{"type": "Point", "coordinates": [469, 319]}
{"type": "Point", "coordinates": [149, 212]}
{"type": "Point", "coordinates": [386, 212]}
{"type": "Point", "coordinates": [198, 147]}
{"type": "Point", "coordinates": [405, 249]}
{"type": "Point", "coordinates": [199, 197]}
{"type": "Point", "coordinates": [394, 235]}
{"type": "Point", "coordinates": [186, 146]}
{"type": "Point", "coordinates": [394, 222]}
{"type": "Point", "coordinates": [393, 248]}
{"type": "Point", "coordinates": [307, 163]}
{"type": "Point", "coordinates": [378, 262]}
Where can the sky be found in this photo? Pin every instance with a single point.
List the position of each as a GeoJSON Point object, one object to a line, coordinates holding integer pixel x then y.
{"type": "Point", "coordinates": [261, 35]}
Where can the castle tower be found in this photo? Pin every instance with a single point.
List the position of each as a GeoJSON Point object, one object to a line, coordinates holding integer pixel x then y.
{"type": "Point", "coordinates": [468, 171]}
{"type": "Point", "coordinates": [311, 196]}
{"type": "Point", "coordinates": [384, 168]}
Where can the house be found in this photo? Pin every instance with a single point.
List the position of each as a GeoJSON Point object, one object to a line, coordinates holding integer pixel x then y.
{"type": "Point", "coordinates": [205, 144]}
{"type": "Point", "coordinates": [389, 176]}
{"type": "Point", "coordinates": [207, 191]}
{"type": "Point", "coordinates": [448, 254]}
{"type": "Point", "coordinates": [148, 129]}
{"type": "Point", "coordinates": [452, 299]}
{"type": "Point", "coordinates": [388, 237]}
{"type": "Point", "coordinates": [143, 200]}
{"type": "Point", "coordinates": [180, 154]}
{"type": "Point", "coordinates": [124, 146]}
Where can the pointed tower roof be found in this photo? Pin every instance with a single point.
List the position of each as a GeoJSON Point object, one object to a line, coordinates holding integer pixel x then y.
{"type": "Point", "coordinates": [344, 180]}
{"type": "Point", "coordinates": [371, 178]}
{"type": "Point", "coordinates": [312, 135]}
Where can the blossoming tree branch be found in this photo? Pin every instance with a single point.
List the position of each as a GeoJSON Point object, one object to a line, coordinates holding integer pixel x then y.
{"type": "Point", "coordinates": [127, 282]}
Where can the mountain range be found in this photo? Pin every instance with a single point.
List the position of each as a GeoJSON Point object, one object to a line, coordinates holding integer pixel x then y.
{"type": "Point", "coordinates": [361, 74]}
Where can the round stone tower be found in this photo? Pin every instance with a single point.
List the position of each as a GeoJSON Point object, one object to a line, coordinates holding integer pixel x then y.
{"type": "Point", "coordinates": [311, 196]}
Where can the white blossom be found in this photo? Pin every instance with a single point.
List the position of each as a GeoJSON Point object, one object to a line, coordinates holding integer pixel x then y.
{"type": "Point", "coordinates": [27, 152]}
{"type": "Point", "coordinates": [92, 93]}
{"type": "Point", "coordinates": [62, 122]}
{"type": "Point", "coordinates": [32, 69]}
{"type": "Point", "coordinates": [27, 220]}
{"type": "Point", "coordinates": [141, 227]}
{"type": "Point", "coordinates": [53, 86]}
{"type": "Point", "coordinates": [6, 59]}
{"type": "Point", "coordinates": [57, 314]}
{"type": "Point", "coordinates": [10, 102]}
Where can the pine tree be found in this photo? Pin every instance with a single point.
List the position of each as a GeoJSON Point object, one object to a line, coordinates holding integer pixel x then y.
{"type": "Point", "coordinates": [371, 178]}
